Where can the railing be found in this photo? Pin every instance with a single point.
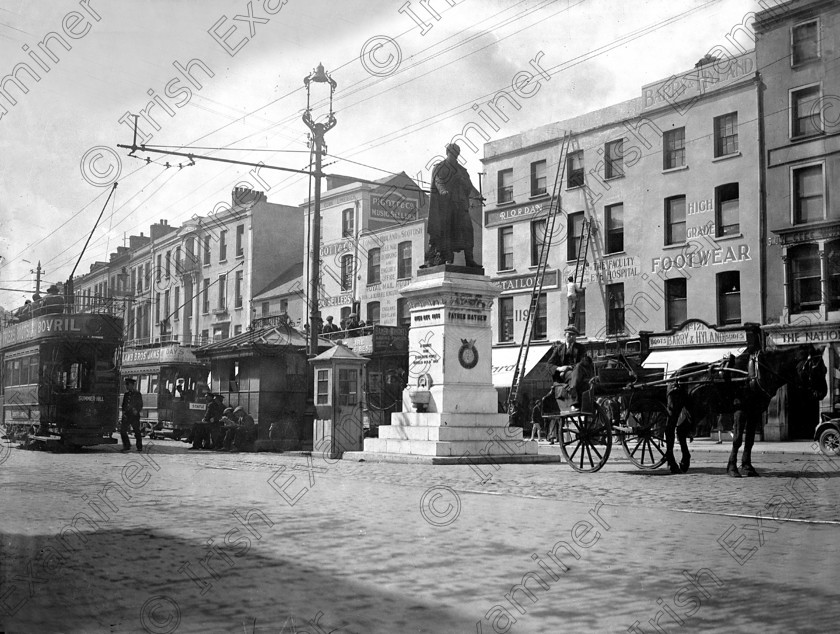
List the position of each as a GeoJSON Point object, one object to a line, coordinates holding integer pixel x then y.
{"type": "Point", "coordinates": [187, 266]}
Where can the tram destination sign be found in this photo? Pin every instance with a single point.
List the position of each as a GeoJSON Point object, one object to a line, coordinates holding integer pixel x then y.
{"type": "Point", "coordinates": [47, 326]}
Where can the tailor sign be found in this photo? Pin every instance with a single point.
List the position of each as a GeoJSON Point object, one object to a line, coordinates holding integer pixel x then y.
{"type": "Point", "coordinates": [525, 283]}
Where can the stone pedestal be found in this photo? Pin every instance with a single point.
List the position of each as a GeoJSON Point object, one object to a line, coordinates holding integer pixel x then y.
{"type": "Point", "coordinates": [450, 407]}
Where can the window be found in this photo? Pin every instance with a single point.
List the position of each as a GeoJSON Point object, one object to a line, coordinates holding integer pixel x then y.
{"type": "Point", "coordinates": [166, 306]}
{"type": "Point", "coordinates": [347, 223]}
{"type": "Point", "coordinates": [373, 266]}
{"type": "Point", "coordinates": [805, 278]}
{"type": "Point", "coordinates": [222, 246]}
{"type": "Point", "coordinates": [615, 228]}
{"type": "Point", "coordinates": [614, 155]}
{"type": "Point", "coordinates": [265, 308]}
{"type": "Point", "coordinates": [237, 301]}
{"type": "Point", "coordinates": [808, 192]}
{"type": "Point", "coordinates": [348, 382]}
{"type": "Point", "coordinates": [159, 271]}
{"type": "Point", "coordinates": [538, 229]}
{"type": "Point", "coordinates": [240, 239]}
{"type": "Point", "coordinates": [575, 233]}
{"type": "Point", "coordinates": [237, 330]}
{"type": "Point", "coordinates": [505, 194]}
{"type": "Point", "coordinates": [805, 42]}
{"type": "Point", "coordinates": [832, 254]}
{"type": "Point", "coordinates": [538, 178]}
{"type": "Point", "coordinates": [506, 319]}
{"type": "Point", "coordinates": [673, 149]}
{"type": "Point", "coordinates": [177, 306]}
{"type": "Point", "coordinates": [675, 302]}
{"type": "Point", "coordinates": [372, 313]}
{"type": "Point", "coordinates": [675, 220]}
{"type": "Point", "coordinates": [726, 134]}
{"type": "Point", "coordinates": [345, 313]}
{"type": "Point", "coordinates": [133, 281]}
{"type": "Point", "coordinates": [403, 260]}
{"type": "Point", "coordinates": [323, 396]}
{"type": "Point", "coordinates": [222, 292]}
{"type": "Point", "coordinates": [729, 297]}
{"type": "Point", "coordinates": [178, 263]}
{"type": "Point", "coordinates": [157, 308]}
{"type": "Point", "coordinates": [284, 306]}
{"type": "Point", "coordinates": [206, 250]}
{"type": "Point", "coordinates": [574, 170]}
{"type": "Point", "coordinates": [805, 111]}
{"type": "Point", "coordinates": [168, 269]}
{"type": "Point", "coordinates": [346, 272]}
{"type": "Point", "coordinates": [403, 315]}
{"type": "Point", "coordinates": [727, 215]}
{"type": "Point", "coordinates": [615, 304]}
{"type": "Point", "coordinates": [540, 330]}
{"type": "Point", "coordinates": [506, 248]}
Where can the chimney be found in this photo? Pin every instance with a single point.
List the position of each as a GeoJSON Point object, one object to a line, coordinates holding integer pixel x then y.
{"type": "Point", "coordinates": [160, 229]}
{"type": "Point", "coordinates": [135, 242]}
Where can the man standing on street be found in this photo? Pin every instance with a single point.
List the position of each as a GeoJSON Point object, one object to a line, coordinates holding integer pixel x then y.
{"type": "Point", "coordinates": [132, 405]}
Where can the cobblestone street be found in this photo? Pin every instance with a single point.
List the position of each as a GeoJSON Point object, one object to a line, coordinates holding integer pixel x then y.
{"type": "Point", "coordinates": [177, 541]}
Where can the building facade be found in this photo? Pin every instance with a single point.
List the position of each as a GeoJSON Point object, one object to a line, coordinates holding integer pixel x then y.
{"type": "Point", "coordinates": [666, 186]}
{"type": "Point", "coordinates": [796, 52]}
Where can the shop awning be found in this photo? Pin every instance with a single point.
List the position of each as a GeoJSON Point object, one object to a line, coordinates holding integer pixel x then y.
{"type": "Point", "coordinates": [504, 363]}
{"type": "Point", "coordinates": [672, 360]}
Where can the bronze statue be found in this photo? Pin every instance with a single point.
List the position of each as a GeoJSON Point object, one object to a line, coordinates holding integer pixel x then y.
{"type": "Point", "coordinates": [450, 227]}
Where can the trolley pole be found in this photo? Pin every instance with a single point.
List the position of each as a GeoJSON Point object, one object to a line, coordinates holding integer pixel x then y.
{"type": "Point", "coordinates": [318, 131]}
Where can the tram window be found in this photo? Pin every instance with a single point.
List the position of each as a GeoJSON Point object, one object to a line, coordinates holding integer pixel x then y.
{"type": "Point", "coordinates": [143, 383]}
{"type": "Point", "coordinates": [7, 374]}
{"type": "Point", "coordinates": [16, 372]}
{"type": "Point", "coordinates": [24, 372]}
{"type": "Point", "coordinates": [153, 384]}
{"type": "Point", "coordinates": [33, 369]}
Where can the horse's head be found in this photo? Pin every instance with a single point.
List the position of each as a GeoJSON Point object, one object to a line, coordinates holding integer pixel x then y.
{"type": "Point", "coordinates": [811, 371]}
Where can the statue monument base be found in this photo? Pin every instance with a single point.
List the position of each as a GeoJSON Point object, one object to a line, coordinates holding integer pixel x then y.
{"type": "Point", "coordinates": [450, 407]}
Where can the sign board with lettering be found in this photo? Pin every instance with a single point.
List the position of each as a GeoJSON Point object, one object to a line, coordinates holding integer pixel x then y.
{"type": "Point", "coordinates": [163, 355]}
{"type": "Point", "coordinates": [393, 208]}
{"type": "Point", "coordinates": [697, 82]}
{"type": "Point", "coordinates": [530, 211]}
{"type": "Point", "coordinates": [697, 333]}
{"type": "Point", "coordinates": [797, 335]}
{"type": "Point", "coordinates": [75, 326]}
{"type": "Point", "coordinates": [525, 283]}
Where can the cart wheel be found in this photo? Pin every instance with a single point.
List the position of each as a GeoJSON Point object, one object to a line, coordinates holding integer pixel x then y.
{"type": "Point", "coordinates": [645, 444]}
{"type": "Point", "coordinates": [830, 442]}
{"type": "Point", "coordinates": [586, 440]}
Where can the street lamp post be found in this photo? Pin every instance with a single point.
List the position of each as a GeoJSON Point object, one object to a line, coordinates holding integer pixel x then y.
{"type": "Point", "coordinates": [319, 129]}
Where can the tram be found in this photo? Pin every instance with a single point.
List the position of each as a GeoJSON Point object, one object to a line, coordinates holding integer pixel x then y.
{"type": "Point", "coordinates": [60, 382]}
{"type": "Point", "coordinates": [173, 384]}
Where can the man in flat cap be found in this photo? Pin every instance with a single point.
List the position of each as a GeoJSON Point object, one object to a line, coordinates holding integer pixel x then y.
{"type": "Point", "coordinates": [571, 368]}
{"type": "Point", "coordinates": [132, 405]}
{"type": "Point", "coordinates": [450, 227]}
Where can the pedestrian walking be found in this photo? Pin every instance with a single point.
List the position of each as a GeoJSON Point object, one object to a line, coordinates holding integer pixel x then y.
{"type": "Point", "coordinates": [132, 406]}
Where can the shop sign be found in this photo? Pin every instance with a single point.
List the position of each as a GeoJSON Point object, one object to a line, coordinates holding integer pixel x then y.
{"type": "Point", "coordinates": [168, 354]}
{"type": "Point", "coordinates": [696, 333]}
{"type": "Point", "coordinates": [798, 337]}
{"type": "Point", "coordinates": [609, 270]}
{"type": "Point", "coordinates": [393, 207]}
{"type": "Point", "coordinates": [698, 258]}
{"type": "Point", "coordinates": [697, 82]}
{"type": "Point", "coordinates": [525, 283]}
{"type": "Point", "coordinates": [45, 326]}
{"type": "Point", "coordinates": [520, 212]}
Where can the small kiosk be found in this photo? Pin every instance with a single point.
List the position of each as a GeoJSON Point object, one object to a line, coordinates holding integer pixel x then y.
{"type": "Point", "coordinates": [338, 380]}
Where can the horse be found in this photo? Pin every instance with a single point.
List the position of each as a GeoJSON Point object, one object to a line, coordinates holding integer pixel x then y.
{"type": "Point", "coordinates": [742, 385]}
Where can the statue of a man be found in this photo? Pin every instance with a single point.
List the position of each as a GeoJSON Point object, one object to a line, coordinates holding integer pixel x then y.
{"type": "Point", "coordinates": [450, 227]}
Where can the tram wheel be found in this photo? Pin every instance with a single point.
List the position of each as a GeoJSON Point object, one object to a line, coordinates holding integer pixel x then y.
{"type": "Point", "coordinates": [645, 444]}
{"type": "Point", "coordinates": [586, 439]}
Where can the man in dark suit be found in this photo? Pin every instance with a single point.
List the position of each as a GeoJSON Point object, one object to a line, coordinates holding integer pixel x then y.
{"type": "Point", "coordinates": [571, 369]}
{"type": "Point", "coordinates": [132, 405]}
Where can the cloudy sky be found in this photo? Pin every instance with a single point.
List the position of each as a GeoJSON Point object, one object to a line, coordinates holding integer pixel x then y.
{"type": "Point", "coordinates": [407, 82]}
